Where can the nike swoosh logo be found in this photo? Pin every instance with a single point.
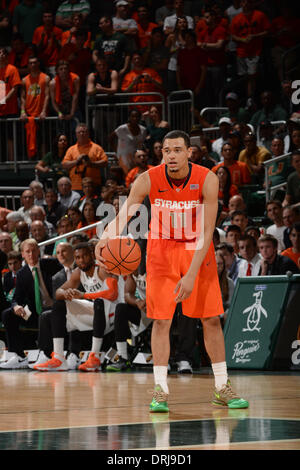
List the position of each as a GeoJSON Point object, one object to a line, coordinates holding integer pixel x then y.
{"type": "Point", "coordinates": [162, 190]}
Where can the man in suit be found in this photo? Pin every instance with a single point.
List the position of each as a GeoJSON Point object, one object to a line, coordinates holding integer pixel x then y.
{"type": "Point", "coordinates": [65, 256]}
{"type": "Point", "coordinates": [33, 294]}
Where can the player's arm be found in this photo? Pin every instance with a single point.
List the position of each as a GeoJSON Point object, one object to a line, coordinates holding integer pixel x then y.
{"type": "Point", "coordinates": [139, 190]}
{"type": "Point", "coordinates": [66, 291]}
{"type": "Point", "coordinates": [112, 291]}
{"type": "Point", "coordinates": [130, 298]}
{"type": "Point", "coordinates": [210, 201]}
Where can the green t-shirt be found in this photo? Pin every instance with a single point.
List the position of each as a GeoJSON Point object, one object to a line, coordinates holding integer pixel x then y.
{"type": "Point", "coordinates": [114, 48]}
{"type": "Point", "coordinates": [27, 18]}
{"type": "Point", "coordinates": [279, 171]}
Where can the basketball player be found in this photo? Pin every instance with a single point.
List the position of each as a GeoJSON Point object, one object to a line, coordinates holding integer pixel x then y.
{"type": "Point", "coordinates": [93, 309]}
{"type": "Point", "coordinates": [180, 267]}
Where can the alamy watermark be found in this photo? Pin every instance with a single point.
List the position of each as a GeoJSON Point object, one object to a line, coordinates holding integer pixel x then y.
{"type": "Point", "coordinates": [296, 94]}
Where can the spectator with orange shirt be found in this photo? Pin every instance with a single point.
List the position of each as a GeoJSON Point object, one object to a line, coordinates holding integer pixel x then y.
{"type": "Point", "coordinates": [248, 30]}
{"type": "Point", "coordinates": [19, 54]}
{"type": "Point", "coordinates": [47, 39]}
{"type": "Point", "coordinates": [64, 91]}
{"type": "Point", "coordinates": [145, 27]}
{"type": "Point", "coordinates": [142, 80]}
{"type": "Point", "coordinates": [240, 174]}
{"type": "Point", "coordinates": [69, 35]}
{"type": "Point", "coordinates": [9, 76]}
{"type": "Point", "coordinates": [34, 102]}
{"type": "Point", "coordinates": [141, 162]}
{"type": "Point", "coordinates": [293, 252]}
{"type": "Point", "coordinates": [84, 159]}
{"type": "Point", "coordinates": [88, 218]}
{"type": "Point", "coordinates": [212, 39]}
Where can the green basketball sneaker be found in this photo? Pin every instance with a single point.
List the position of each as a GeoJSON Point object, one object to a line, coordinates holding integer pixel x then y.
{"type": "Point", "coordinates": [159, 401]}
{"type": "Point", "coordinates": [227, 397]}
{"type": "Point", "coordinates": [121, 365]}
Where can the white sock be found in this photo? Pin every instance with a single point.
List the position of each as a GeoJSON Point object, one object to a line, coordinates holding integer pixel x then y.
{"type": "Point", "coordinates": [160, 377]}
{"type": "Point", "coordinates": [122, 349]}
{"type": "Point", "coordinates": [220, 373]}
{"type": "Point", "coordinates": [58, 346]}
{"type": "Point", "coordinates": [96, 345]}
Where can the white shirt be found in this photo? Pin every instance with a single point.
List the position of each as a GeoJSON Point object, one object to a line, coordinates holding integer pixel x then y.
{"type": "Point", "coordinates": [129, 143]}
{"type": "Point", "coordinates": [255, 266]}
{"type": "Point", "coordinates": [217, 147]}
{"type": "Point", "coordinates": [278, 233]}
{"type": "Point", "coordinates": [170, 22]}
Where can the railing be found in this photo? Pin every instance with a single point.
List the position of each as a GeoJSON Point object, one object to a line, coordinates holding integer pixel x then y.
{"type": "Point", "coordinates": [13, 147]}
{"type": "Point", "coordinates": [181, 110]}
{"type": "Point", "coordinates": [206, 113]}
{"type": "Point", "coordinates": [11, 201]}
{"type": "Point", "coordinates": [267, 163]}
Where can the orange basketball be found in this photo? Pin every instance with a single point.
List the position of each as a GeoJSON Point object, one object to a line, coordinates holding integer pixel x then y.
{"type": "Point", "coordinates": [122, 256]}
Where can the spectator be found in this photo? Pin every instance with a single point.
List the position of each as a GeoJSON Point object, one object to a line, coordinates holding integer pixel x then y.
{"type": "Point", "coordinates": [248, 29]}
{"type": "Point", "coordinates": [124, 24]}
{"type": "Point", "coordinates": [5, 22]}
{"type": "Point", "coordinates": [9, 76]}
{"type": "Point", "coordinates": [6, 242]}
{"type": "Point", "coordinates": [47, 40]}
{"type": "Point", "coordinates": [83, 159]}
{"type": "Point", "coordinates": [240, 174]}
{"type": "Point", "coordinates": [231, 260]}
{"type": "Point", "coordinates": [3, 214]}
{"type": "Point", "coordinates": [233, 10]}
{"type": "Point", "coordinates": [225, 126]}
{"type": "Point", "coordinates": [212, 39]}
{"type": "Point", "coordinates": [127, 138]}
{"type": "Point", "coordinates": [113, 46]}
{"type": "Point", "coordinates": [38, 232]}
{"type": "Point", "coordinates": [292, 196]}
{"type": "Point", "coordinates": [69, 35]}
{"type": "Point", "coordinates": [163, 11]}
{"type": "Point", "coordinates": [38, 192]}
{"type": "Point", "coordinates": [294, 143]}
{"type": "Point", "coordinates": [235, 139]}
{"type": "Point", "coordinates": [232, 235]}
{"type": "Point", "coordinates": [191, 68]}
{"type": "Point", "coordinates": [226, 189]}
{"type": "Point", "coordinates": [34, 103]}
{"type": "Point", "coordinates": [11, 221]}
{"type": "Point", "coordinates": [141, 162]}
{"type": "Point", "coordinates": [254, 156]}
{"type": "Point", "coordinates": [51, 163]}
{"type": "Point", "coordinates": [39, 213]}
{"type": "Point", "coordinates": [274, 213]}
{"type": "Point", "coordinates": [88, 218]}
{"type": "Point", "coordinates": [278, 171]}
{"type": "Point", "coordinates": [253, 231]}
{"type": "Point", "coordinates": [66, 196]}
{"type": "Point", "coordinates": [74, 214]}
{"type": "Point", "coordinates": [22, 232]}
{"type": "Point", "coordinates": [67, 9]}
{"type": "Point", "coordinates": [35, 272]}
{"type": "Point", "coordinates": [269, 111]}
{"type": "Point", "coordinates": [156, 155]}
{"type": "Point", "coordinates": [14, 263]}
{"type": "Point", "coordinates": [251, 259]}
{"type": "Point", "coordinates": [156, 55]}
{"type": "Point", "coordinates": [145, 27]}
{"type": "Point", "coordinates": [226, 283]}
{"type": "Point", "coordinates": [294, 251]}
{"type": "Point", "coordinates": [273, 264]}
{"type": "Point", "coordinates": [157, 128]}
{"type": "Point", "coordinates": [170, 21]}
{"type": "Point", "coordinates": [89, 193]}
{"type": "Point", "coordinates": [240, 219]}
{"type": "Point", "coordinates": [200, 156]}
{"type": "Point", "coordinates": [175, 41]}
{"type": "Point", "coordinates": [142, 80]}
{"type": "Point", "coordinates": [235, 112]}
{"type": "Point", "coordinates": [64, 91]}
{"type": "Point", "coordinates": [27, 201]}
{"type": "Point", "coordinates": [290, 215]}
{"type": "Point", "coordinates": [26, 18]}
{"type": "Point", "coordinates": [19, 54]}
{"type": "Point", "coordinates": [64, 226]}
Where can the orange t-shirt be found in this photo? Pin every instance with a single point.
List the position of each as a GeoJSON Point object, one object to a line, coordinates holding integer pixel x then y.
{"type": "Point", "coordinates": [142, 87]}
{"type": "Point", "coordinates": [9, 78]}
{"type": "Point", "coordinates": [239, 173]}
{"type": "Point", "coordinates": [95, 152]}
{"type": "Point", "coordinates": [132, 175]}
{"type": "Point", "coordinates": [293, 256]}
{"type": "Point", "coordinates": [144, 35]}
{"type": "Point", "coordinates": [65, 38]}
{"type": "Point", "coordinates": [49, 52]}
{"type": "Point", "coordinates": [35, 94]}
{"type": "Point", "coordinates": [243, 25]}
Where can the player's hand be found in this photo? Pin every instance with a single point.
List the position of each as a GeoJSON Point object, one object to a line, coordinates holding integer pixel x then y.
{"type": "Point", "coordinates": [69, 294]}
{"type": "Point", "coordinates": [141, 304]}
{"type": "Point", "coordinates": [184, 288]}
{"type": "Point", "coordinates": [77, 294]}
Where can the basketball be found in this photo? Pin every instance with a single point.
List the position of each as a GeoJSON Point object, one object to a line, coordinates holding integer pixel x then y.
{"type": "Point", "coordinates": [122, 256]}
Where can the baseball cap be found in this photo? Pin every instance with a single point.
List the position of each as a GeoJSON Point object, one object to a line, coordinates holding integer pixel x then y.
{"type": "Point", "coordinates": [121, 2]}
{"type": "Point", "coordinates": [225, 120]}
{"type": "Point", "coordinates": [232, 96]}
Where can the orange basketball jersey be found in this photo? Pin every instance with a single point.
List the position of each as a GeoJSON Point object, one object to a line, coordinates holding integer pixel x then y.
{"type": "Point", "coordinates": [35, 94]}
{"type": "Point", "coordinates": [176, 212]}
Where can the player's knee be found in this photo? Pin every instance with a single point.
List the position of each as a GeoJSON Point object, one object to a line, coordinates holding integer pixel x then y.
{"type": "Point", "coordinates": [162, 325]}
{"type": "Point", "coordinates": [211, 322]}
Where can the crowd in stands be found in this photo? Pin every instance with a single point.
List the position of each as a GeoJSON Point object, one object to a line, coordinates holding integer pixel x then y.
{"type": "Point", "coordinates": [57, 55]}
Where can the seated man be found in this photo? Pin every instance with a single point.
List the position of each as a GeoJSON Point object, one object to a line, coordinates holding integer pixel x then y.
{"type": "Point", "coordinates": [93, 309]}
{"type": "Point", "coordinates": [273, 264]}
{"type": "Point", "coordinates": [292, 196]}
{"type": "Point", "coordinates": [251, 259]}
{"type": "Point", "coordinates": [231, 260]}
{"type": "Point", "coordinates": [33, 295]}
{"type": "Point", "coordinates": [294, 251]}
{"type": "Point", "coordinates": [254, 156]}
